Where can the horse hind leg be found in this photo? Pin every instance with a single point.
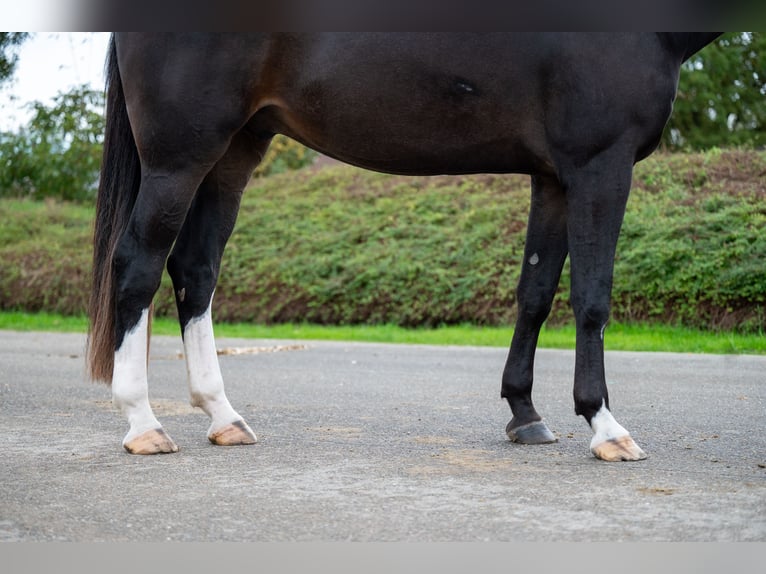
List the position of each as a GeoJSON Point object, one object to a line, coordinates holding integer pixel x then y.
{"type": "Point", "coordinates": [140, 254]}
{"type": "Point", "coordinates": [163, 201]}
{"type": "Point", "coordinates": [544, 254]}
{"type": "Point", "coordinates": [194, 265]}
{"type": "Point", "coordinates": [131, 395]}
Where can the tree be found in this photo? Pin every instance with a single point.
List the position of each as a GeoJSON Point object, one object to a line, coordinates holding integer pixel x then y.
{"type": "Point", "coordinates": [9, 42]}
{"type": "Point", "coordinates": [59, 153]}
{"type": "Point", "coordinates": [721, 97]}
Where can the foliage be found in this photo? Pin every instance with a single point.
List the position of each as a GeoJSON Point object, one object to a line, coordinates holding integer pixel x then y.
{"type": "Point", "coordinates": [284, 154]}
{"type": "Point", "coordinates": [721, 97]}
{"type": "Point", "coordinates": [45, 249]}
{"type": "Point", "coordinates": [59, 153]}
{"type": "Point", "coordinates": [694, 249]}
{"type": "Point", "coordinates": [343, 246]}
{"type": "Point", "coordinates": [347, 246]}
{"type": "Point", "coordinates": [9, 43]}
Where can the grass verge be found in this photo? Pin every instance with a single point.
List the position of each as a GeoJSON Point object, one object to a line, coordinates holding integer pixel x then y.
{"type": "Point", "coordinates": [618, 337]}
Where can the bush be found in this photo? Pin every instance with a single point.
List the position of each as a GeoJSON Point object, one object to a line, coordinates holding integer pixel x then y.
{"type": "Point", "coordinates": [284, 154]}
{"type": "Point", "coordinates": [693, 244]}
{"type": "Point", "coordinates": [339, 245]}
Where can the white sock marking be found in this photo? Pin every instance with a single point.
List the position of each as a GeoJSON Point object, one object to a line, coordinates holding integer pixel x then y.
{"type": "Point", "coordinates": [605, 427]}
{"type": "Point", "coordinates": [130, 387]}
{"type": "Point", "coordinates": [205, 379]}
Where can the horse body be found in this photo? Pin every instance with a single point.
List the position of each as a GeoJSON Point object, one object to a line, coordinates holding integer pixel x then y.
{"type": "Point", "coordinates": [190, 115]}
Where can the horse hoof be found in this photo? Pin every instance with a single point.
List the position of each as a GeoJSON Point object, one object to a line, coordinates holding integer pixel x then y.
{"type": "Point", "coordinates": [234, 434]}
{"type": "Point", "coordinates": [155, 441]}
{"type": "Point", "coordinates": [618, 449]}
{"type": "Point", "coordinates": [531, 433]}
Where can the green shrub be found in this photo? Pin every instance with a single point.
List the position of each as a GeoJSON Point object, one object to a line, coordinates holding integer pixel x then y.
{"type": "Point", "coordinates": [338, 245]}
{"type": "Point", "coordinates": [693, 250]}
{"type": "Point", "coordinates": [283, 155]}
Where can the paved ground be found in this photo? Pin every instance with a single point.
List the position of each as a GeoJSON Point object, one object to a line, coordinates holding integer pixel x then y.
{"type": "Point", "coordinates": [380, 442]}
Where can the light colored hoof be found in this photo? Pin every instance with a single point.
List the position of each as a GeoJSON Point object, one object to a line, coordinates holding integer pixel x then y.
{"type": "Point", "coordinates": [531, 433]}
{"type": "Point", "coordinates": [618, 449]}
{"type": "Point", "coordinates": [155, 441]}
{"type": "Point", "coordinates": [234, 434]}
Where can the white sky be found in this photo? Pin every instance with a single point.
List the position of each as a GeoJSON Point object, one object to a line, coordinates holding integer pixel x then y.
{"type": "Point", "coordinates": [49, 63]}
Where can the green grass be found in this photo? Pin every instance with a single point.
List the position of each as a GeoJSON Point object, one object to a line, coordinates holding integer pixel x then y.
{"type": "Point", "coordinates": [618, 337]}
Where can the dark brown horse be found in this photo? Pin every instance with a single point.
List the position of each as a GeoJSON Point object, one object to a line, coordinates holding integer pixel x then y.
{"type": "Point", "coordinates": [189, 116]}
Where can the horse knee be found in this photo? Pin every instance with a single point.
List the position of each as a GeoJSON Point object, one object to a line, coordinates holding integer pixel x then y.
{"type": "Point", "coordinates": [534, 306]}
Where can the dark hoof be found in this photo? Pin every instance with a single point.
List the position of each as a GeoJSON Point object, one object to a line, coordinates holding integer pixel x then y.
{"type": "Point", "coordinates": [531, 433]}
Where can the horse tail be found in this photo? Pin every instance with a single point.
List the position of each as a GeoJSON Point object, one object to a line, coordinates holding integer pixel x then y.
{"type": "Point", "coordinates": [117, 192]}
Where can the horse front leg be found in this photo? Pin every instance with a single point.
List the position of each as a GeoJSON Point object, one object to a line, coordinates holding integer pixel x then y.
{"type": "Point", "coordinates": [596, 197]}
{"type": "Point", "coordinates": [544, 253]}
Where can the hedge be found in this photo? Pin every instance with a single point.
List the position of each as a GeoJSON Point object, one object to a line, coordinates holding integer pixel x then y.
{"type": "Point", "coordinates": [337, 245]}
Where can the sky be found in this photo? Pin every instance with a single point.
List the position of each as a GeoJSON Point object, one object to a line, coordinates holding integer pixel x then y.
{"type": "Point", "coordinates": [50, 63]}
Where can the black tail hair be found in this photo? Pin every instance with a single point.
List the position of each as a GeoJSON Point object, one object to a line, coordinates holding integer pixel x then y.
{"type": "Point", "coordinates": [117, 192]}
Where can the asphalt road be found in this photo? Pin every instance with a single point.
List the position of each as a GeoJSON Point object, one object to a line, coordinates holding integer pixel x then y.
{"type": "Point", "coordinates": [377, 442]}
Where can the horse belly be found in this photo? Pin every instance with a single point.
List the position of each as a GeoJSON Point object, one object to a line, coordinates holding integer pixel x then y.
{"type": "Point", "coordinates": [405, 106]}
{"type": "Point", "coordinates": [417, 150]}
